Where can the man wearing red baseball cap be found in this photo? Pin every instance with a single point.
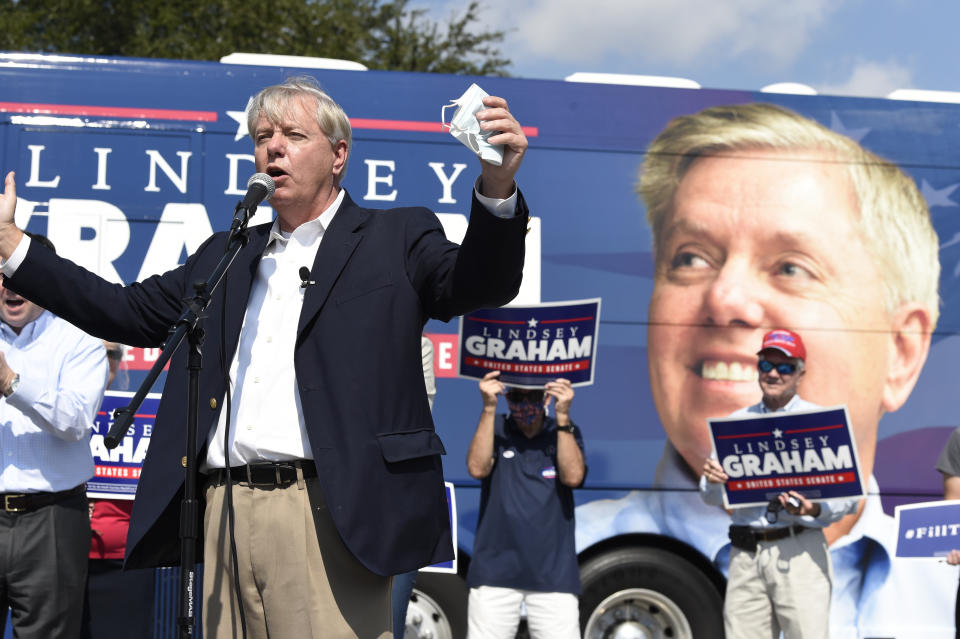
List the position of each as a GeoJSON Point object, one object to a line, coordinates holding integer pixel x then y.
{"type": "Point", "coordinates": [781, 365]}
{"type": "Point", "coordinates": [780, 575]}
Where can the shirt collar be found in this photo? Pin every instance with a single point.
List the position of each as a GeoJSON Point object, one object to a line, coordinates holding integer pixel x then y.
{"type": "Point", "coordinates": [29, 332]}
{"type": "Point", "coordinates": [315, 227]}
{"type": "Point", "coordinates": [786, 408]}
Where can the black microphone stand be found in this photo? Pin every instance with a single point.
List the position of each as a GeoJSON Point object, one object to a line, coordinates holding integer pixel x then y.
{"type": "Point", "coordinates": [190, 325]}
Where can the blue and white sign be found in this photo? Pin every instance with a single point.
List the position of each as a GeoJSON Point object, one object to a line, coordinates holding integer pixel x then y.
{"type": "Point", "coordinates": [117, 471]}
{"type": "Point", "coordinates": [811, 452]}
{"type": "Point", "coordinates": [928, 530]}
{"type": "Point", "coordinates": [532, 345]}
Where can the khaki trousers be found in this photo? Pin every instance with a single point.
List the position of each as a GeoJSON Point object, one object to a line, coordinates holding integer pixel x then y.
{"type": "Point", "coordinates": [297, 579]}
{"type": "Point", "coordinates": [784, 585]}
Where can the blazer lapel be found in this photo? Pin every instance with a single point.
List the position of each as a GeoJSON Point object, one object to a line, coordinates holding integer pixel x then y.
{"type": "Point", "coordinates": [338, 244]}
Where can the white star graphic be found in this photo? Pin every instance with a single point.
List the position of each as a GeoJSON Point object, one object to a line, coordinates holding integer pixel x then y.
{"type": "Point", "coordinates": [532, 322]}
{"type": "Point", "coordinates": [953, 240]}
{"type": "Point", "coordinates": [777, 433]}
{"type": "Point", "coordinates": [241, 119]}
{"type": "Point", "coordinates": [938, 197]}
{"type": "Point", "coordinates": [837, 126]}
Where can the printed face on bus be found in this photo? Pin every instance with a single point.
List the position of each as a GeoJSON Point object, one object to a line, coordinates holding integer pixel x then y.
{"type": "Point", "coordinates": [754, 241]}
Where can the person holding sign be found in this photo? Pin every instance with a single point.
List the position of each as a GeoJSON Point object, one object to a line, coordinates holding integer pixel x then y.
{"type": "Point", "coordinates": [524, 550]}
{"type": "Point", "coordinates": [780, 574]}
{"type": "Point", "coordinates": [949, 466]}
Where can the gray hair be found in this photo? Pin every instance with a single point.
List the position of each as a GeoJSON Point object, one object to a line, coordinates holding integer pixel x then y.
{"type": "Point", "coordinates": [274, 103]}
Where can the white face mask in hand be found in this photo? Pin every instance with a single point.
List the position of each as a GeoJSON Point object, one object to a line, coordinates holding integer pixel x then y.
{"type": "Point", "coordinates": [465, 127]}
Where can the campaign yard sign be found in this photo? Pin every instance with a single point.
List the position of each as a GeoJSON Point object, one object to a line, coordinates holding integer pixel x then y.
{"type": "Point", "coordinates": [811, 452]}
{"type": "Point", "coordinates": [532, 345]}
{"type": "Point", "coordinates": [117, 471]}
{"type": "Point", "coordinates": [927, 530]}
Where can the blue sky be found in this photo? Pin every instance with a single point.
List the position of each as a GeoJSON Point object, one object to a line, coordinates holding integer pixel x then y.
{"type": "Point", "coordinates": [845, 47]}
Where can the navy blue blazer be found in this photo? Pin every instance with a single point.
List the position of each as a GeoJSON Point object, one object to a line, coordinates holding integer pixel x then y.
{"type": "Point", "coordinates": [379, 276]}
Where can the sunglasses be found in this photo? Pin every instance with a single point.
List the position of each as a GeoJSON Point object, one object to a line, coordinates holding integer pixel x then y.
{"type": "Point", "coordinates": [784, 369]}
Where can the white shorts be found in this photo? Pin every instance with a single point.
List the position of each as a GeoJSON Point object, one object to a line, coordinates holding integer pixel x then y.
{"type": "Point", "coordinates": [494, 613]}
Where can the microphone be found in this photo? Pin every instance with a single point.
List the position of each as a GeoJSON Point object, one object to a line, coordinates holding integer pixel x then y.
{"type": "Point", "coordinates": [260, 187]}
{"type": "Point", "coordinates": [305, 280]}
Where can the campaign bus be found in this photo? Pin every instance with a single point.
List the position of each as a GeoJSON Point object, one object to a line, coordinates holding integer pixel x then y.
{"type": "Point", "coordinates": [129, 164]}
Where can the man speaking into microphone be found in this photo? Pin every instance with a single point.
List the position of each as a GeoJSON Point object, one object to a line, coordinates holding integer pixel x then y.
{"type": "Point", "coordinates": [335, 466]}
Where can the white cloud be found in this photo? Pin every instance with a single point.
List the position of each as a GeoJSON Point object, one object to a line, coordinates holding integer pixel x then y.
{"type": "Point", "coordinates": [872, 79]}
{"type": "Point", "coordinates": [671, 32]}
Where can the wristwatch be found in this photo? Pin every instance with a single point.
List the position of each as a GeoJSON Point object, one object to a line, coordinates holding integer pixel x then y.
{"type": "Point", "coordinates": [14, 383]}
{"type": "Point", "coordinates": [569, 428]}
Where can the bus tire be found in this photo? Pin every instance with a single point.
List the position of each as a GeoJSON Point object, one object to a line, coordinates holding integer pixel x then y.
{"type": "Point", "coordinates": [648, 589]}
{"type": "Point", "coordinates": [438, 607]}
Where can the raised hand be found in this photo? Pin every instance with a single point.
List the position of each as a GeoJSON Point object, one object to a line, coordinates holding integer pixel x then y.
{"type": "Point", "coordinates": [497, 181]}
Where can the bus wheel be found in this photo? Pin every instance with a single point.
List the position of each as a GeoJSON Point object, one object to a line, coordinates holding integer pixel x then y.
{"type": "Point", "coordinates": [438, 607]}
{"type": "Point", "coordinates": [648, 593]}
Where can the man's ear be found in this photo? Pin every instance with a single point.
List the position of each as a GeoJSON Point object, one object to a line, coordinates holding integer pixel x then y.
{"type": "Point", "coordinates": [909, 344]}
{"type": "Point", "coordinates": [340, 153]}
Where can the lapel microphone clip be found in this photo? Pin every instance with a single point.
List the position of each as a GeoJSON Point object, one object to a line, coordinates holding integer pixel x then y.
{"type": "Point", "coordinates": [305, 280]}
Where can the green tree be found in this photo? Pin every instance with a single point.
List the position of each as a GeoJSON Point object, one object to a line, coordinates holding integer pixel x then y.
{"type": "Point", "coordinates": [382, 34]}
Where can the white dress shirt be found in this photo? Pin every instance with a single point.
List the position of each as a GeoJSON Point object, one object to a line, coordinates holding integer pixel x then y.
{"type": "Point", "coordinates": [266, 419]}
{"type": "Point", "coordinates": [429, 379]}
{"type": "Point", "coordinates": [45, 424]}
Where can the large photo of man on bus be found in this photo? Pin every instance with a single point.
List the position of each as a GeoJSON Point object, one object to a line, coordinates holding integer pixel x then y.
{"type": "Point", "coordinates": [763, 218]}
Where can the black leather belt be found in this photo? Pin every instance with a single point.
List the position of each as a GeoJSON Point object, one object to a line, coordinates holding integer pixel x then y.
{"type": "Point", "coordinates": [267, 474]}
{"type": "Point", "coordinates": [27, 502]}
{"type": "Point", "coordinates": [746, 538]}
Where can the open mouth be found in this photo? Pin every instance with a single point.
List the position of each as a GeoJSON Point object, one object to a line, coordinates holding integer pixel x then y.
{"type": "Point", "coordinates": [13, 304]}
{"type": "Point", "coordinates": [275, 172]}
{"type": "Point", "coordinates": [728, 371]}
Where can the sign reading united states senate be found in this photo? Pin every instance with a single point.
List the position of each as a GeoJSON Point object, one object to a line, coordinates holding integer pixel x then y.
{"type": "Point", "coordinates": [811, 452]}
{"type": "Point", "coordinates": [532, 345]}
